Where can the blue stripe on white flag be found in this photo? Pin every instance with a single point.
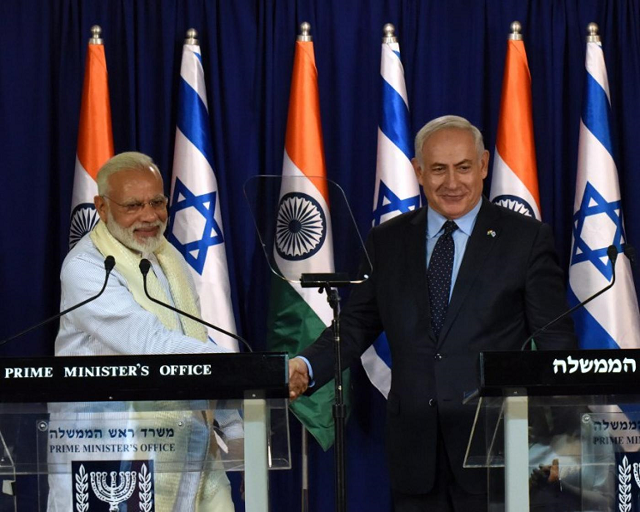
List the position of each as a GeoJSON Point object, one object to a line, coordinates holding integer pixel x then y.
{"type": "Point", "coordinates": [193, 120]}
{"type": "Point", "coordinates": [597, 112]}
{"type": "Point", "coordinates": [381, 346]}
{"type": "Point", "coordinates": [589, 331]}
{"type": "Point", "coordinates": [395, 119]}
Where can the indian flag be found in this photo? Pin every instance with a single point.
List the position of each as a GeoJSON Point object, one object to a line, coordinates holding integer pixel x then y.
{"type": "Point", "coordinates": [515, 177]}
{"type": "Point", "coordinates": [303, 241]}
{"type": "Point", "coordinates": [95, 139]}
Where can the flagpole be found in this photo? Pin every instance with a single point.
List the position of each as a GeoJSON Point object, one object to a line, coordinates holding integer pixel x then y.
{"type": "Point", "coordinates": [305, 470]}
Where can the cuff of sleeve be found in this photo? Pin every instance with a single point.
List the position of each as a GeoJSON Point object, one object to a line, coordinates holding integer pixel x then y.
{"type": "Point", "coordinates": [306, 361]}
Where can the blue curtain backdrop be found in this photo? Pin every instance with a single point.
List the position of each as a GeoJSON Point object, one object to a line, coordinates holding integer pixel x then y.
{"type": "Point", "coordinates": [453, 53]}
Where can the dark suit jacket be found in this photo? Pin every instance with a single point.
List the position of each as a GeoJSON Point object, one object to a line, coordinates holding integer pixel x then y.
{"type": "Point", "coordinates": [509, 285]}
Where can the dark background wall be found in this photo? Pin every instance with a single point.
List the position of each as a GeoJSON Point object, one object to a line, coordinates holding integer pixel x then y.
{"type": "Point", "coordinates": [453, 53]}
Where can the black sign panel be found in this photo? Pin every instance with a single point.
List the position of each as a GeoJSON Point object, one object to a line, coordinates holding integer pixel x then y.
{"type": "Point", "coordinates": [560, 372]}
{"type": "Point", "coordinates": [145, 377]}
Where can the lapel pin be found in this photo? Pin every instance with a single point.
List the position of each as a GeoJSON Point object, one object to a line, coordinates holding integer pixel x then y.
{"type": "Point", "coordinates": [491, 233]}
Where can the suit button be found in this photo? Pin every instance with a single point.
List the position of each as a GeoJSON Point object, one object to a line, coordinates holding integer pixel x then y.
{"type": "Point", "coordinates": [437, 357]}
{"type": "Point", "coordinates": [432, 402]}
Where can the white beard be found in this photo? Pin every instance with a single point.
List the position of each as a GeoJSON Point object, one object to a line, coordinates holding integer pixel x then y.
{"type": "Point", "coordinates": [127, 238]}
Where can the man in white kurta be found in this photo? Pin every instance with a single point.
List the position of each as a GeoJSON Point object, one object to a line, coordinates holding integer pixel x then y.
{"type": "Point", "coordinates": [133, 214]}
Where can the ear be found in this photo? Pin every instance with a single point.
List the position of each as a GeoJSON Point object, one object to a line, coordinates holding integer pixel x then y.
{"type": "Point", "coordinates": [484, 163]}
{"type": "Point", "coordinates": [101, 207]}
{"type": "Point", "coordinates": [417, 169]}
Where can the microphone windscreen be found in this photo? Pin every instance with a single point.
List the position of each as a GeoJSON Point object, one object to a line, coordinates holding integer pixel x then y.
{"type": "Point", "coordinates": [612, 253]}
{"type": "Point", "coordinates": [630, 253]}
{"type": "Point", "coordinates": [109, 263]}
{"type": "Point", "coordinates": [145, 265]}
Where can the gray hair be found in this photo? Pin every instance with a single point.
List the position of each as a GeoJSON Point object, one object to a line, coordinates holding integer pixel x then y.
{"type": "Point", "coordinates": [443, 123]}
{"type": "Point", "coordinates": [122, 162]}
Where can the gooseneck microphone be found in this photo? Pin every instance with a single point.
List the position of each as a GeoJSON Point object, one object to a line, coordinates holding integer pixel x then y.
{"type": "Point", "coordinates": [109, 263]}
{"type": "Point", "coordinates": [612, 254]}
{"type": "Point", "coordinates": [145, 265]}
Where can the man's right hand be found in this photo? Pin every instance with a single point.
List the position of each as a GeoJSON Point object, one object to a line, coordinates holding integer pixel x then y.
{"type": "Point", "coordinates": [298, 377]}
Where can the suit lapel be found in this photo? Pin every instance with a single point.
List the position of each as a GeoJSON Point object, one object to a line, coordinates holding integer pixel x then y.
{"type": "Point", "coordinates": [481, 241]}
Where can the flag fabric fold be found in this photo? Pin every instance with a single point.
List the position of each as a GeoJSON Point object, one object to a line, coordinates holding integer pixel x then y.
{"type": "Point", "coordinates": [95, 141]}
{"type": "Point", "coordinates": [396, 189]}
{"type": "Point", "coordinates": [611, 320]}
{"type": "Point", "coordinates": [195, 220]}
{"type": "Point", "coordinates": [514, 182]}
{"type": "Point", "coordinates": [298, 315]}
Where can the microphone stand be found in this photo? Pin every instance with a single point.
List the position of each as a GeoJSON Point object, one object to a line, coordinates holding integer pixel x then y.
{"type": "Point", "coordinates": [329, 283]}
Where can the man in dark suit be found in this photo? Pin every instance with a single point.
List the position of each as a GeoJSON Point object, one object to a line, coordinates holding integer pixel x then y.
{"type": "Point", "coordinates": [450, 280]}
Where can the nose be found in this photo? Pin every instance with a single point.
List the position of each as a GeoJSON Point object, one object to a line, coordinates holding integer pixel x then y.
{"type": "Point", "coordinates": [148, 213]}
{"type": "Point", "coordinates": [451, 179]}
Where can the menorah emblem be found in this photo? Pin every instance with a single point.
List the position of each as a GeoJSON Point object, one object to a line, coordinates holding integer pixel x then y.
{"type": "Point", "coordinates": [114, 493]}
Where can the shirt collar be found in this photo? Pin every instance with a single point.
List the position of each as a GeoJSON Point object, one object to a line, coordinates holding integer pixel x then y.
{"type": "Point", "coordinates": [435, 221]}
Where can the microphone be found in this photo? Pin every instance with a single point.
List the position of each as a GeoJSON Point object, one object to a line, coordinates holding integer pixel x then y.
{"type": "Point", "coordinates": [109, 263]}
{"type": "Point", "coordinates": [630, 253]}
{"type": "Point", "coordinates": [612, 254]}
{"type": "Point", "coordinates": [145, 265]}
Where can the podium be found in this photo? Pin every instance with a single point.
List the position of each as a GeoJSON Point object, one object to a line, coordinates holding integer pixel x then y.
{"type": "Point", "coordinates": [558, 430]}
{"type": "Point", "coordinates": [134, 431]}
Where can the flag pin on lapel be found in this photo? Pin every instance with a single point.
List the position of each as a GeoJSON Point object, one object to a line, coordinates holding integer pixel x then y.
{"type": "Point", "coordinates": [491, 233]}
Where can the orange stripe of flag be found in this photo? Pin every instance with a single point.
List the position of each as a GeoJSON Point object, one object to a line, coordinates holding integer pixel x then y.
{"type": "Point", "coordinates": [515, 141]}
{"type": "Point", "coordinates": [95, 138]}
{"type": "Point", "coordinates": [303, 142]}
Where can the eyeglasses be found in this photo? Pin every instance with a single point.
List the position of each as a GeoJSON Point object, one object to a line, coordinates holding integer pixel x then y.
{"type": "Point", "coordinates": [158, 204]}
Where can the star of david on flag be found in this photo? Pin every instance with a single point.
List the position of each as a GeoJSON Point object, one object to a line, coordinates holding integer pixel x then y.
{"type": "Point", "coordinates": [605, 215]}
{"type": "Point", "coordinates": [195, 210]}
{"type": "Point", "coordinates": [390, 204]}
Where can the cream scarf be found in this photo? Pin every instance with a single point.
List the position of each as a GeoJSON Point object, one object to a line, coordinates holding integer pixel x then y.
{"type": "Point", "coordinates": [127, 262]}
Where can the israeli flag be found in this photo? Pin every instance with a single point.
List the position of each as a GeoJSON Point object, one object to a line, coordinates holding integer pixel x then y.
{"type": "Point", "coordinates": [195, 221]}
{"type": "Point", "coordinates": [397, 190]}
{"type": "Point", "coordinates": [611, 320]}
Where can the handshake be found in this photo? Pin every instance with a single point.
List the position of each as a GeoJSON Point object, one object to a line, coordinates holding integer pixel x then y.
{"type": "Point", "coordinates": [298, 377]}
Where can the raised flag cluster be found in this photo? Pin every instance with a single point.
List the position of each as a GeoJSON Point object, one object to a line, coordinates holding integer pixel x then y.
{"type": "Point", "coordinates": [514, 183]}
{"type": "Point", "coordinates": [396, 190]}
{"type": "Point", "coordinates": [95, 139]}
{"type": "Point", "coordinates": [611, 320]}
{"type": "Point", "coordinates": [195, 222]}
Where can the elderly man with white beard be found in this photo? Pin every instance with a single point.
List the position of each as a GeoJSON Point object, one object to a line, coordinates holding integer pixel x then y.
{"type": "Point", "coordinates": [133, 214]}
{"type": "Point", "coordinates": [123, 321]}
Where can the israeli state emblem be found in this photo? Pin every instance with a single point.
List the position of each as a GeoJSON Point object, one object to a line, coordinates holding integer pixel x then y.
{"type": "Point", "coordinates": [107, 485]}
{"type": "Point", "coordinates": [301, 227]}
{"type": "Point", "coordinates": [83, 219]}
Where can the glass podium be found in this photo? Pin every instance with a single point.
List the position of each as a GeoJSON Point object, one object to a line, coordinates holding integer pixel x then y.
{"type": "Point", "coordinates": [558, 430]}
{"type": "Point", "coordinates": [189, 417]}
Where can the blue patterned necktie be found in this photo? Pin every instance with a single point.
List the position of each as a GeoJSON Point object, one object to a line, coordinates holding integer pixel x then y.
{"type": "Point", "coordinates": [439, 276]}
